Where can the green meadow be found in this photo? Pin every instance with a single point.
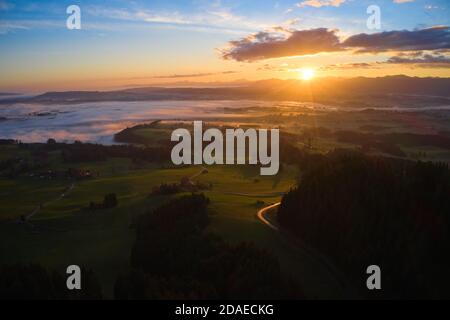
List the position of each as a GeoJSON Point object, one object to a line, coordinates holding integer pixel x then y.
{"type": "Point", "coordinates": [64, 231]}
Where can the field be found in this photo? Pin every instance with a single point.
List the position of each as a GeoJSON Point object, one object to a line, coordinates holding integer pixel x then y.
{"type": "Point", "coordinates": [65, 232]}
{"type": "Point", "coordinates": [409, 134]}
{"type": "Point", "coordinates": [60, 229]}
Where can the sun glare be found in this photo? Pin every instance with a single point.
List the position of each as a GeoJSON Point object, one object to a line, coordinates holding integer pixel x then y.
{"type": "Point", "coordinates": [307, 74]}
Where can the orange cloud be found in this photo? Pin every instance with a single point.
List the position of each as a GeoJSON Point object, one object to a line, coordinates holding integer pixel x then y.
{"type": "Point", "coordinates": [266, 45]}
{"type": "Point", "coordinates": [288, 43]}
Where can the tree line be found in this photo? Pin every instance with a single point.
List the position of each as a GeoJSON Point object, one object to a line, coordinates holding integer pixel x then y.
{"type": "Point", "coordinates": [34, 282]}
{"type": "Point", "coordinates": [174, 257]}
{"type": "Point", "coordinates": [361, 210]}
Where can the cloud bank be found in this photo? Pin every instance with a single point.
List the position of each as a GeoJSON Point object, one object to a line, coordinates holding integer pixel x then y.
{"type": "Point", "coordinates": [420, 59]}
{"type": "Point", "coordinates": [266, 45]}
{"type": "Point", "coordinates": [434, 38]}
{"type": "Point", "coordinates": [287, 43]}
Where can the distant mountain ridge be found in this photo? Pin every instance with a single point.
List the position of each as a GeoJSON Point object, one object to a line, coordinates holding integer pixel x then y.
{"type": "Point", "coordinates": [272, 89]}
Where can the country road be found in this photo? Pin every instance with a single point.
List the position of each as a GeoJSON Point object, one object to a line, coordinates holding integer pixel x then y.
{"type": "Point", "coordinates": [204, 170]}
{"type": "Point", "coordinates": [317, 270]}
{"type": "Point", "coordinates": [263, 219]}
{"type": "Point", "coordinates": [62, 195]}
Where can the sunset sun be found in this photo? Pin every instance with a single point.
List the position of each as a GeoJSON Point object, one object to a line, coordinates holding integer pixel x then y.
{"type": "Point", "coordinates": [307, 74]}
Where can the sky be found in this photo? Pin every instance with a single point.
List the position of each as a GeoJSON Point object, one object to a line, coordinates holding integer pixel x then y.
{"type": "Point", "coordinates": [134, 43]}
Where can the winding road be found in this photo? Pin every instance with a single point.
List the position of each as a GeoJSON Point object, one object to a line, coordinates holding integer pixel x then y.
{"type": "Point", "coordinates": [318, 277]}
{"type": "Point", "coordinates": [317, 269]}
{"type": "Point", "coordinates": [62, 195]}
{"type": "Point", "coordinates": [264, 220]}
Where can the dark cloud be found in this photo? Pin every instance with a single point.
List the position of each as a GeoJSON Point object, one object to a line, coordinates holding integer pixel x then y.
{"type": "Point", "coordinates": [266, 45]}
{"type": "Point", "coordinates": [435, 38]}
{"type": "Point", "coordinates": [422, 60]}
{"type": "Point", "coordinates": [413, 60]}
{"type": "Point", "coordinates": [287, 43]}
{"type": "Point", "coordinates": [346, 66]}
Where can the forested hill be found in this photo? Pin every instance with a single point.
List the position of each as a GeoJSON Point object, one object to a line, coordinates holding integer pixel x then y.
{"type": "Point", "coordinates": [361, 210]}
{"type": "Point", "coordinates": [272, 89]}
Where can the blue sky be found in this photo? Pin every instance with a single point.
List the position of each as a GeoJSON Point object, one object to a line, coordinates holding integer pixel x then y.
{"type": "Point", "coordinates": [142, 39]}
{"type": "Point", "coordinates": [48, 13]}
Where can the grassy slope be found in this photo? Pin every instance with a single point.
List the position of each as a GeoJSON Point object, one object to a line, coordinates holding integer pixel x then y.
{"type": "Point", "coordinates": [66, 233]}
